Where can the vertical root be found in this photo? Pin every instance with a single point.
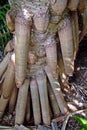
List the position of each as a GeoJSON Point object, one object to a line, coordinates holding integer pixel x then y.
{"type": "Point", "coordinates": [67, 47]}
{"type": "Point", "coordinates": [21, 102]}
{"type": "Point", "coordinates": [12, 101]}
{"type": "Point", "coordinates": [53, 101]}
{"type": "Point", "coordinates": [9, 81]}
{"type": "Point", "coordinates": [75, 29]}
{"type": "Point", "coordinates": [35, 101]}
{"type": "Point", "coordinates": [4, 64]}
{"type": "Point", "coordinates": [57, 91]}
{"type": "Point", "coordinates": [22, 31]}
{"type": "Point", "coordinates": [42, 85]}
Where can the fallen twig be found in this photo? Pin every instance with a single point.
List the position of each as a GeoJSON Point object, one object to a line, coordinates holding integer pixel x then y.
{"type": "Point", "coordinates": [70, 115]}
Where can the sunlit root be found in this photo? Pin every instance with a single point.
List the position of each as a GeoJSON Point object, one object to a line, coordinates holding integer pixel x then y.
{"type": "Point", "coordinates": [73, 4]}
{"type": "Point", "coordinates": [42, 85]}
{"type": "Point", "coordinates": [67, 45]}
{"type": "Point", "coordinates": [4, 64]}
{"type": "Point", "coordinates": [40, 22]}
{"type": "Point", "coordinates": [7, 86]}
{"type": "Point", "coordinates": [22, 32]}
{"type": "Point", "coordinates": [12, 101]}
{"type": "Point", "coordinates": [53, 102]}
{"type": "Point", "coordinates": [10, 21]}
{"type": "Point", "coordinates": [21, 102]}
{"type": "Point", "coordinates": [57, 91]}
{"type": "Point", "coordinates": [51, 55]}
{"type": "Point", "coordinates": [9, 47]}
{"type": "Point", "coordinates": [9, 81]}
{"type": "Point", "coordinates": [35, 101]}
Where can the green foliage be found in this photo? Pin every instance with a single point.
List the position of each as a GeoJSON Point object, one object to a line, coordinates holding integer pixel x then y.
{"type": "Point", "coordinates": [5, 35]}
{"type": "Point", "coordinates": [82, 121]}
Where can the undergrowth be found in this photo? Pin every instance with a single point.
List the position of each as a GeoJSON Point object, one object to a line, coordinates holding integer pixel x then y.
{"type": "Point", "coordinates": [5, 35]}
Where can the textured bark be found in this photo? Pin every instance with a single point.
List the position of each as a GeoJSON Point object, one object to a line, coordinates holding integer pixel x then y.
{"type": "Point", "coordinates": [4, 64]}
{"type": "Point", "coordinates": [21, 103]}
{"type": "Point", "coordinates": [51, 54]}
{"type": "Point", "coordinates": [75, 30]}
{"type": "Point", "coordinates": [53, 101]}
{"type": "Point", "coordinates": [42, 85]}
{"type": "Point", "coordinates": [13, 98]}
{"type": "Point", "coordinates": [35, 101]}
{"type": "Point", "coordinates": [57, 91]}
{"type": "Point", "coordinates": [9, 81]}
{"type": "Point", "coordinates": [22, 31]}
{"type": "Point", "coordinates": [67, 45]}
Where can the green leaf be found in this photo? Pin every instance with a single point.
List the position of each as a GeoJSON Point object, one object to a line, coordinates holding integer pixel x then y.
{"type": "Point", "coordinates": [84, 128]}
{"type": "Point", "coordinates": [5, 35]}
{"type": "Point", "coordinates": [82, 121]}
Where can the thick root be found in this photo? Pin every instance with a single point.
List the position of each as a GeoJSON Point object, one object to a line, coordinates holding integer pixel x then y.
{"type": "Point", "coordinates": [21, 102]}
{"type": "Point", "coordinates": [4, 64]}
{"type": "Point", "coordinates": [84, 16]}
{"type": "Point", "coordinates": [22, 31]}
{"type": "Point", "coordinates": [35, 101]}
{"type": "Point", "coordinates": [12, 101]}
{"type": "Point", "coordinates": [42, 85]}
{"type": "Point", "coordinates": [51, 55]}
{"type": "Point", "coordinates": [75, 30]}
{"type": "Point", "coordinates": [10, 22]}
{"type": "Point", "coordinates": [57, 91]}
{"type": "Point", "coordinates": [9, 81]}
{"type": "Point", "coordinates": [9, 47]}
{"type": "Point", "coordinates": [53, 102]}
{"type": "Point", "coordinates": [67, 45]}
{"type": "Point", "coordinates": [41, 23]}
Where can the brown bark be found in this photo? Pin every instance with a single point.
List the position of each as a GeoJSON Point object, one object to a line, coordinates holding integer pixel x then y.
{"type": "Point", "coordinates": [21, 102]}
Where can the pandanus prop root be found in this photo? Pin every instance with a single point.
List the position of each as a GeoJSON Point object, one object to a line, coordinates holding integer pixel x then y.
{"type": "Point", "coordinates": [22, 33]}
{"type": "Point", "coordinates": [30, 71]}
{"type": "Point", "coordinates": [67, 47]}
{"type": "Point", "coordinates": [35, 101]}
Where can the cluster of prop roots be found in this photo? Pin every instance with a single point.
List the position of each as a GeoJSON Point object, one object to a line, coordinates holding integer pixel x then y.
{"type": "Point", "coordinates": [29, 72]}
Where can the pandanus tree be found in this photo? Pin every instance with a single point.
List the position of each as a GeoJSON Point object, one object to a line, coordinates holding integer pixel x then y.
{"type": "Point", "coordinates": [31, 69]}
